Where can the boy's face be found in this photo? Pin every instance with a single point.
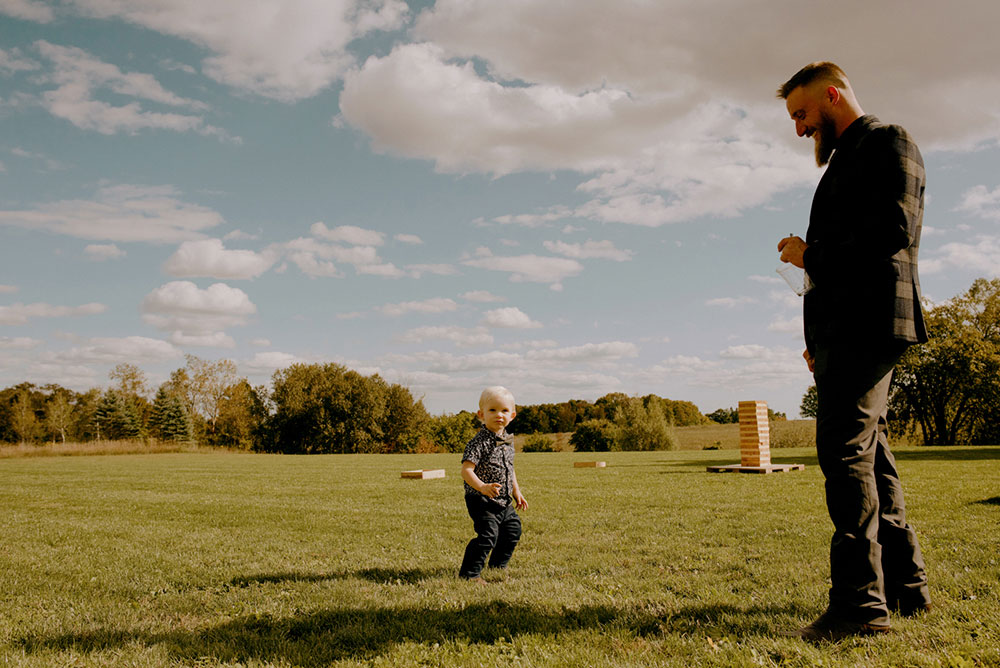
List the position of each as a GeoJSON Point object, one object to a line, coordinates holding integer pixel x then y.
{"type": "Point", "coordinates": [496, 413]}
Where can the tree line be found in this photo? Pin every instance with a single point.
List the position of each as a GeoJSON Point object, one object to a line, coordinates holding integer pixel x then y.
{"type": "Point", "coordinates": [308, 408]}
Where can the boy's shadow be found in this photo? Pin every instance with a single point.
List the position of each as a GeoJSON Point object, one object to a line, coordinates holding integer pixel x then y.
{"type": "Point", "coordinates": [363, 633]}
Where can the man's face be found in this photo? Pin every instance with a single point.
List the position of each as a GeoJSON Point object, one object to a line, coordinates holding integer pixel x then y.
{"type": "Point", "coordinates": [805, 105]}
{"type": "Point", "coordinates": [496, 413]}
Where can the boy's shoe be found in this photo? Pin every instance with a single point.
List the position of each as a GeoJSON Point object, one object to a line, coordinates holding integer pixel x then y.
{"type": "Point", "coordinates": [830, 628]}
{"type": "Point", "coordinates": [477, 580]}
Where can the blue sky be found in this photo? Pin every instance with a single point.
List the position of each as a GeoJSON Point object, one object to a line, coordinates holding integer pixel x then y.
{"type": "Point", "coordinates": [566, 198]}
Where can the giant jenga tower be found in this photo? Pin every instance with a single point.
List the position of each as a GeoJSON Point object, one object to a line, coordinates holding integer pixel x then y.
{"type": "Point", "coordinates": [755, 443]}
{"type": "Point", "coordinates": [755, 434]}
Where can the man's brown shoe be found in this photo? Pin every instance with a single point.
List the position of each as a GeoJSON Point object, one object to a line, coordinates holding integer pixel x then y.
{"type": "Point", "coordinates": [829, 628]}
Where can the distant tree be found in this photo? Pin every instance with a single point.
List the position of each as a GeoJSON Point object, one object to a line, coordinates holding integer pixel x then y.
{"type": "Point", "coordinates": [405, 421]}
{"type": "Point", "coordinates": [206, 385]}
{"type": "Point", "coordinates": [593, 436]}
{"type": "Point", "coordinates": [24, 419]}
{"type": "Point", "coordinates": [451, 433]}
{"type": "Point", "coordinates": [117, 417]}
{"type": "Point", "coordinates": [131, 388]}
{"type": "Point", "coordinates": [949, 388]}
{"type": "Point", "coordinates": [59, 413]}
{"type": "Point", "coordinates": [810, 403]}
{"type": "Point", "coordinates": [84, 423]}
{"type": "Point", "coordinates": [724, 416]}
{"type": "Point", "coordinates": [242, 417]}
{"type": "Point", "coordinates": [169, 418]}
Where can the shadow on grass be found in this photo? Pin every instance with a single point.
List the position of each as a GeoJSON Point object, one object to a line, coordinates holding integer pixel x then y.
{"type": "Point", "coordinates": [319, 638]}
{"type": "Point", "coordinates": [950, 453]}
{"type": "Point", "coordinates": [995, 501]}
{"type": "Point", "coordinates": [381, 575]}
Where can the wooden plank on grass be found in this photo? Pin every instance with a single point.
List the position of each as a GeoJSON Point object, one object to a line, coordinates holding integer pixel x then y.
{"type": "Point", "coordinates": [581, 465]}
{"type": "Point", "coordinates": [768, 468]}
{"type": "Point", "coordinates": [424, 474]}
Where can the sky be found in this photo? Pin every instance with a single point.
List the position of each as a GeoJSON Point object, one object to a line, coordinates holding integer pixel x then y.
{"type": "Point", "coordinates": [564, 197]}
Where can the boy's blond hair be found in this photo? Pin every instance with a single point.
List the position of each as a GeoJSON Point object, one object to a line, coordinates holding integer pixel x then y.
{"type": "Point", "coordinates": [495, 392]}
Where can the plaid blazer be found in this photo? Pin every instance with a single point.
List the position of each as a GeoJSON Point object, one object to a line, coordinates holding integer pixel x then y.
{"type": "Point", "coordinates": [864, 236]}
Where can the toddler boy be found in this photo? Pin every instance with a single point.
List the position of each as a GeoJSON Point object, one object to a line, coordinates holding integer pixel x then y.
{"type": "Point", "coordinates": [490, 483]}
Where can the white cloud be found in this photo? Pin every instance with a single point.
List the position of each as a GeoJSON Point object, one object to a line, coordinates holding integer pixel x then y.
{"type": "Point", "coordinates": [481, 296]}
{"type": "Point", "coordinates": [435, 305]}
{"type": "Point", "coordinates": [28, 10]}
{"type": "Point", "coordinates": [981, 257]}
{"type": "Point", "coordinates": [412, 239]}
{"type": "Point", "coordinates": [286, 50]}
{"type": "Point", "coordinates": [793, 325]}
{"type": "Point", "coordinates": [209, 258]}
{"type": "Point", "coordinates": [267, 363]}
{"type": "Point", "coordinates": [460, 336]}
{"type": "Point", "coordinates": [349, 234]}
{"type": "Point", "coordinates": [195, 316]}
{"type": "Point", "coordinates": [531, 268]}
{"type": "Point", "coordinates": [418, 270]}
{"type": "Point", "coordinates": [99, 252]}
{"type": "Point", "coordinates": [385, 270]}
{"type": "Point", "coordinates": [510, 317]}
{"type": "Point", "coordinates": [536, 219]}
{"type": "Point", "coordinates": [981, 202]}
{"type": "Point", "coordinates": [730, 302]}
{"type": "Point", "coordinates": [529, 345]}
{"type": "Point", "coordinates": [260, 343]}
{"type": "Point", "coordinates": [21, 314]}
{"type": "Point", "coordinates": [80, 77]}
{"type": "Point", "coordinates": [18, 343]}
{"type": "Point", "coordinates": [120, 213]}
{"type": "Point", "coordinates": [589, 352]}
{"type": "Point", "coordinates": [135, 349]}
{"type": "Point", "coordinates": [316, 258]}
{"type": "Point", "coordinates": [589, 249]}
{"type": "Point", "coordinates": [8, 289]}
{"type": "Point", "coordinates": [14, 61]}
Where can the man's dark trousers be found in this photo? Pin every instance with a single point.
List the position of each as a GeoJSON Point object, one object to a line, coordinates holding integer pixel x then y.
{"type": "Point", "coordinates": [498, 530]}
{"type": "Point", "coordinates": [874, 554]}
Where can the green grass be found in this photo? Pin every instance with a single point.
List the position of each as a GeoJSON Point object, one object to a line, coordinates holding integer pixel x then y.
{"type": "Point", "coordinates": [260, 560]}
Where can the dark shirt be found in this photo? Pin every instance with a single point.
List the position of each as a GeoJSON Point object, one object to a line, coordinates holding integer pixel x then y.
{"type": "Point", "coordinates": [493, 456]}
{"type": "Point", "coordinates": [863, 236]}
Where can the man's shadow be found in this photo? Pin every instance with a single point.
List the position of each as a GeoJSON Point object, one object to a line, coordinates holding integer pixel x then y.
{"type": "Point", "coordinates": [379, 575]}
{"type": "Point", "coordinates": [363, 633]}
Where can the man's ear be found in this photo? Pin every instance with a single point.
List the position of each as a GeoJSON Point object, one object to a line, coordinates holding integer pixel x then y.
{"type": "Point", "coordinates": [832, 94]}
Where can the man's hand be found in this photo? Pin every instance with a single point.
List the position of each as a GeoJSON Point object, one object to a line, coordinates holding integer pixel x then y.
{"type": "Point", "coordinates": [491, 490]}
{"type": "Point", "coordinates": [792, 249]}
{"type": "Point", "coordinates": [809, 360]}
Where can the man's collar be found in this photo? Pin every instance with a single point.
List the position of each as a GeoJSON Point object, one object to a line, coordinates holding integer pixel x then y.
{"type": "Point", "coordinates": [853, 133]}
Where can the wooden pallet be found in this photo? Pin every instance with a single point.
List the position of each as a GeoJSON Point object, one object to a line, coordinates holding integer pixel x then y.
{"type": "Point", "coordinates": [767, 468]}
{"type": "Point", "coordinates": [424, 474]}
{"type": "Point", "coordinates": [582, 465]}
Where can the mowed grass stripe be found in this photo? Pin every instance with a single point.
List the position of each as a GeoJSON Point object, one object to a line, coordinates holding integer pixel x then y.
{"type": "Point", "coordinates": [270, 560]}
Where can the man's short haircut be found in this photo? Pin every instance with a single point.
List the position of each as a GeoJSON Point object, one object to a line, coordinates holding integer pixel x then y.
{"type": "Point", "coordinates": [819, 71]}
{"type": "Point", "coordinates": [495, 392]}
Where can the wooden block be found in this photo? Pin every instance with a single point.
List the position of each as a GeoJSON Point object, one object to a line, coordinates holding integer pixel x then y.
{"type": "Point", "coordinates": [581, 465]}
{"type": "Point", "coordinates": [424, 474]}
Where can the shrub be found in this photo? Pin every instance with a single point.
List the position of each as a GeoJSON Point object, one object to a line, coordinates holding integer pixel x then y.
{"type": "Point", "coordinates": [539, 443]}
{"type": "Point", "coordinates": [639, 427]}
{"type": "Point", "coordinates": [451, 433]}
{"type": "Point", "coordinates": [592, 436]}
{"type": "Point", "coordinates": [793, 434]}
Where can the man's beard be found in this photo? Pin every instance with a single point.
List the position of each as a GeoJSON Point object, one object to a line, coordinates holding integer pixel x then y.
{"type": "Point", "coordinates": [826, 139]}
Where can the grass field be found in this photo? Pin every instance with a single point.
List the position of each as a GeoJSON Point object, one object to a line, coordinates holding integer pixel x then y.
{"type": "Point", "coordinates": [194, 559]}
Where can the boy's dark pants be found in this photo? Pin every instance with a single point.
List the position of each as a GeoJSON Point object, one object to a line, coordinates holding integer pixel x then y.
{"type": "Point", "coordinates": [498, 531]}
{"type": "Point", "coordinates": [875, 557]}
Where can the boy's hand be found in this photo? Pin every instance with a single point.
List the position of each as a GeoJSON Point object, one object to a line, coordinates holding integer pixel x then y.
{"type": "Point", "coordinates": [520, 502]}
{"type": "Point", "coordinates": [492, 490]}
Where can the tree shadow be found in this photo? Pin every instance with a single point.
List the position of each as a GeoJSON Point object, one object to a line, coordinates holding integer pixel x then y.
{"type": "Point", "coordinates": [363, 634]}
{"type": "Point", "coordinates": [381, 575]}
{"type": "Point", "coordinates": [950, 453]}
{"type": "Point", "coordinates": [995, 501]}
